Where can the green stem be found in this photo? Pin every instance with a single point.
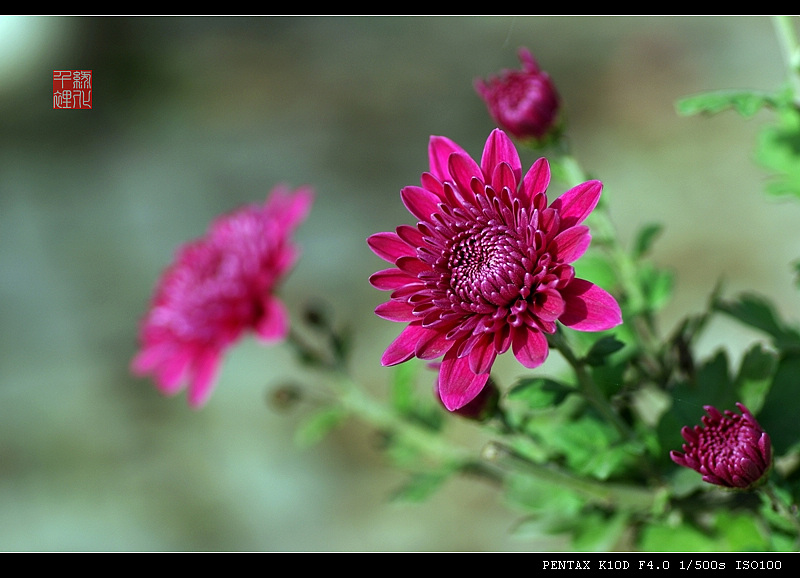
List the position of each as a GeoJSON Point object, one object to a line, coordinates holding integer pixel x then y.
{"type": "Point", "coordinates": [787, 36]}
{"type": "Point", "coordinates": [602, 493]}
{"type": "Point", "coordinates": [780, 507]}
{"type": "Point", "coordinates": [588, 387]}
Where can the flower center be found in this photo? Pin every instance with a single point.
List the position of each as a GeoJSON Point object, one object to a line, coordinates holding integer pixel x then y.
{"type": "Point", "coordinates": [487, 266]}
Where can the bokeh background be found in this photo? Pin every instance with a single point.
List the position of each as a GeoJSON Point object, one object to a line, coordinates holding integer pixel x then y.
{"type": "Point", "coordinates": [195, 116]}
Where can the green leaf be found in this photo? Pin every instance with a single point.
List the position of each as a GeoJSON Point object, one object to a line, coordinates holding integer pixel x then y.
{"type": "Point", "coordinates": [318, 425]}
{"type": "Point", "coordinates": [779, 415]}
{"type": "Point", "coordinates": [645, 239]}
{"type": "Point", "coordinates": [757, 312]}
{"type": "Point", "coordinates": [755, 376]}
{"type": "Point", "coordinates": [657, 285]}
{"type": "Point", "coordinates": [778, 150]}
{"type": "Point", "coordinates": [746, 102]}
{"type": "Point", "coordinates": [421, 486]}
{"type": "Point", "coordinates": [602, 348]}
{"type": "Point", "coordinates": [539, 392]}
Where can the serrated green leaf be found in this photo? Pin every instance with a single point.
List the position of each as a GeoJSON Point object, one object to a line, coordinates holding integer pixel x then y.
{"type": "Point", "coordinates": [318, 425]}
{"type": "Point", "coordinates": [746, 102]}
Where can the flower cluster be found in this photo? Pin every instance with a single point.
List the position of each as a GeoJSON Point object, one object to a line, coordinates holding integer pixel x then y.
{"type": "Point", "coordinates": [523, 102]}
{"type": "Point", "coordinates": [731, 450]}
{"type": "Point", "coordinates": [488, 266]}
{"type": "Point", "coordinates": [219, 286]}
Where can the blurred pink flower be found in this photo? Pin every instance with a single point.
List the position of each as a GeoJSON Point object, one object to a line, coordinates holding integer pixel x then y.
{"type": "Point", "coordinates": [218, 287]}
{"type": "Point", "coordinates": [523, 102]}
{"type": "Point", "coordinates": [487, 267]}
{"type": "Point", "coordinates": [731, 450]}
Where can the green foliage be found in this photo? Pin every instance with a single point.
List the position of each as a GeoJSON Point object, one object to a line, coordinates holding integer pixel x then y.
{"type": "Point", "coordinates": [318, 425]}
{"type": "Point", "coordinates": [745, 102]}
{"type": "Point", "coordinates": [778, 151]}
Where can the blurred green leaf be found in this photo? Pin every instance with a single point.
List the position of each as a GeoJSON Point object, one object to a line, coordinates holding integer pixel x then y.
{"type": "Point", "coordinates": [318, 425]}
{"type": "Point", "coordinates": [657, 285]}
{"type": "Point", "coordinates": [755, 376]}
{"type": "Point", "coordinates": [539, 392]}
{"type": "Point", "coordinates": [746, 102]}
{"type": "Point", "coordinates": [645, 239]}
{"type": "Point", "coordinates": [421, 486]}
{"type": "Point", "coordinates": [778, 150]}
{"type": "Point", "coordinates": [779, 415]}
{"type": "Point", "coordinates": [757, 312]}
{"type": "Point", "coordinates": [602, 348]}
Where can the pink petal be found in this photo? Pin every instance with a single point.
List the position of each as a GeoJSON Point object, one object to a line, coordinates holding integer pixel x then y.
{"type": "Point", "coordinates": [439, 150]}
{"type": "Point", "coordinates": [274, 323]}
{"type": "Point", "coordinates": [500, 149]}
{"type": "Point", "coordinates": [293, 207]}
{"type": "Point", "coordinates": [570, 244]}
{"type": "Point", "coordinates": [458, 384]}
{"type": "Point", "coordinates": [483, 354]}
{"type": "Point", "coordinates": [576, 204]}
{"type": "Point", "coordinates": [530, 347]}
{"type": "Point", "coordinates": [420, 203]}
{"type": "Point", "coordinates": [403, 347]}
{"type": "Point", "coordinates": [536, 179]}
{"type": "Point", "coordinates": [464, 169]}
{"type": "Point", "coordinates": [503, 177]}
{"type": "Point", "coordinates": [205, 373]}
{"type": "Point", "coordinates": [390, 279]}
{"type": "Point", "coordinates": [433, 346]}
{"type": "Point", "coordinates": [588, 307]}
{"type": "Point", "coordinates": [548, 305]}
{"type": "Point", "coordinates": [396, 311]}
{"type": "Point", "coordinates": [410, 235]}
{"type": "Point", "coordinates": [389, 246]}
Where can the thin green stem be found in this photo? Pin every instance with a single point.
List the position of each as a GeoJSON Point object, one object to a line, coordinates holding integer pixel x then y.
{"type": "Point", "coordinates": [602, 493]}
{"type": "Point", "coordinates": [588, 388]}
{"type": "Point", "coordinates": [781, 507]}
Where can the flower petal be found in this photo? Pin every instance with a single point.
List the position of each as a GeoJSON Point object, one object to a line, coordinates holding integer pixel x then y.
{"type": "Point", "coordinates": [500, 149]}
{"type": "Point", "coordinates": [458, 384]}
{"type": "Point", "coordinates": [420, 203]}
{"type": "Point", "coordinates": [439, 150]}
{"type": "Point", "coordinates": [403, 347]}
{"type": "Point", "coordinates": [205, 373]}
{"type": "Point", "coordinates": [570, 244]}
{"type": "Point", "coordinates": [588, 307]}
{"type": "Point", "coordinates": [395, 311]}
{"type": "Point", "coordinates": [530, 347]}
{"type": "Point", "coordinates": [390, 279]}
{"type": "Point", "coordinates": [389, 246]}
{"type": "Point", "coordinates": [576, 204]}
{"type": "Point", "coordinates": [274, 322]}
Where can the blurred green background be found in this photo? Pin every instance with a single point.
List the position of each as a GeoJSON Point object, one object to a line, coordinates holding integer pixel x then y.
{"type": "Point", "coordinates": [195, 116]}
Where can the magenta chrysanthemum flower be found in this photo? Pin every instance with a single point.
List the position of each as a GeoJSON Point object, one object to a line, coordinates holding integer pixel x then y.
{"type": "Point", "coordinates": [487, 267]}
{"type": "Point", "coordinates": [524, 102]}
{"type": "Point", "coordinates": [219, 286]}
{"type": "Point", "coordinates": [730, 450]}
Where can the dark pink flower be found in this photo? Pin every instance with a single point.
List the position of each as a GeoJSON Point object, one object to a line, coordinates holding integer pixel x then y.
{"type": "Point", "coordinates": [524, 102]}
{"type": "Point", "coordinates": [487, 267]}
{"type": "Point", "coordinates": [218, 287]}
{"type": "Point", "coordinates": [731, 450]}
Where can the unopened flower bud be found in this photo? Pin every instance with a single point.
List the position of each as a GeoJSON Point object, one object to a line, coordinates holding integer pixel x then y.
{"type": "Point", "coordinates": [731, 450]}
{"type": "Point", "coordinates": [523, 102]}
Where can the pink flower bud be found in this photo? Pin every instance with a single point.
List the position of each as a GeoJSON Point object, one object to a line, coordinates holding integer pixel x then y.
{"type": "Point", "coordinates": [732, 450]}
{"type": "Point", "coordinates": [523, 102]}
